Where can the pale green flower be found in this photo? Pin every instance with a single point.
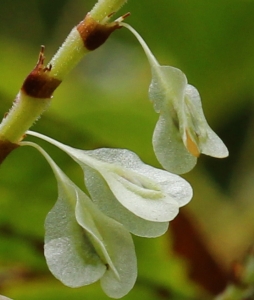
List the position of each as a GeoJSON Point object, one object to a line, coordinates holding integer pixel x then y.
{"type": "Point", "coordinates": [83, 245]}
{"type": "Point", "coordinates": [144, 199]}
{"type": "Point", "coordinates": [182, 132]}
{"type": "Point", "coordinates": [88, 239]}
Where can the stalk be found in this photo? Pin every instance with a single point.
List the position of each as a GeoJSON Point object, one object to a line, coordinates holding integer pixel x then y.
{"type": "Point", "coordinates": [37, 90]}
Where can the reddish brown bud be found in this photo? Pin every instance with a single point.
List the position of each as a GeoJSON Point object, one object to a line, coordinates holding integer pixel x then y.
{"type": "Point", "coordinates": [93, 33]}
{"type": "Point", "coordinates": [39, 83]}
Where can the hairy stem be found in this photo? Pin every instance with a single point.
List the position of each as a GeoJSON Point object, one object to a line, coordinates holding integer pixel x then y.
{"type": "Point", "coordinates": [37, 90]}
{"type": "Point", "coordinates": [105, 8]}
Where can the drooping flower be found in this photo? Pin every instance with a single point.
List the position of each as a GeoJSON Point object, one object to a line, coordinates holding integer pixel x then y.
{"type": "Point", "coordinates": [182, 132]}
{"type": "Point", "coordinates": [82, 244]}
{"type": "Point", "coordinates": [142, 198]}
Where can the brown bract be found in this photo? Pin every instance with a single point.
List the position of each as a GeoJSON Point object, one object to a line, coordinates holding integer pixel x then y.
{"type": "Point", "coordinates": [93, 33]}
{"type": "Point", "coordinates": [39, 83]}
{"type": "Point", "coordinates": [5, 149]}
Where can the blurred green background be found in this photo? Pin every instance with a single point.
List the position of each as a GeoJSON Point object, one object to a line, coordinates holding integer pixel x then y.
{"type": "Point", "coordinates": [104, 103]}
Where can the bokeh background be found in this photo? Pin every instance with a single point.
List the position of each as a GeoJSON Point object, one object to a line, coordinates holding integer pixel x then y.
{"type": "Point", "coordinates": [104, 103]}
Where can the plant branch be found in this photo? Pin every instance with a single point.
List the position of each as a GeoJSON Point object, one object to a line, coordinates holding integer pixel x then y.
{"type": "Point", "coordinates": [37, 90]}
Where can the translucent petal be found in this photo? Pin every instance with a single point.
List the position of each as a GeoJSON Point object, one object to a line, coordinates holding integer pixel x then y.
{"type": "Point", "coordinates": [173, 185]}
{"type": "Point", "coordinates": [146, 191]}
{"type": "Point", "coordinates": [181, 121]}
{"type": "Point", "coordinates": [167, 89]}
{"type": "Point", "coordinates": [83, 245]}
{"type": "Point", "coordinates": [138, 187]}
{"type": "Point", "coordinates": [210, 143]}
{"type": "Point", "coordinates": [70, 255]}
{"type": "Point", "coordinates": [180, 107]}
{"type": "Point", "coordinates": [70, 252]}
{"type": "Point", "coordinates": [116, 248]}
{"type": "Point", "coordinates": [108, 204]}
{"type": "Point", "coordinates": [104, 238]}
{"type": "Point", "coordinates": [169, 148]}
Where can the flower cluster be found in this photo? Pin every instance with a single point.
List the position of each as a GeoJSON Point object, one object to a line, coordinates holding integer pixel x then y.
{"type": "Point", "coordinates": [88, 235]}
{"type": "Point", "coordinates": [88, 238]}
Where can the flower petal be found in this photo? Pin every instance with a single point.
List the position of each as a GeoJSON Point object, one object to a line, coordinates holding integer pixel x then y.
{"type": "Point", "coordinates": [146, 191]}
{"type": "Point", "coordinates": [172, 184]}
{"type": "Point", "coordinates": [83, 245]}
{"type": "Point", "coordinates": [167, 89]}
{"type": "Point", "coordinates": [209, 142]}
{"type": "Point", "coordinates": [70, 255]}
{"type": "Point", "coordinates": [90, 247]}
{"type": "Point", "coordinates": [181, 121]}
{"type": "Point", "coordinates": [115, 247]}
{"type": "Point", "coordinates": [169, 148]}
{"type": "Point", "coordinates": [108, 204]}
{"type": "Point", "coordinates": [138, 187]}
{"type": "Point", "coordinates": [180, 107]}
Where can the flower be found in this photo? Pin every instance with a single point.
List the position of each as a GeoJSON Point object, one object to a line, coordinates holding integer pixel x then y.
{"type": "Point", "coordinates": [142, 198]}
{"type": "Point", "coordinates": [82, 244]}
{"type": "Point", "coordinates": [88, 239]}
{"type": "Point", "coordinates": [182, 132]}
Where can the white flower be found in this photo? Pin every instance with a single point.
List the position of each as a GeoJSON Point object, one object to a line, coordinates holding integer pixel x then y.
{"type": "Point", "coordinates": [182, 132]}
{"type": "Point", "coordinates": [83, 245]}
{"type": "Point", "coordinates": [144, 199]}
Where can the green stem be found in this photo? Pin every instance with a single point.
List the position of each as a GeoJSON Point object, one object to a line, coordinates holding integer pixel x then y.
{"type": "Point", "coordinates": [28, 107]}
{"type": "Point", "coordinates": [105, 8]}
{"type": "Point", "coordinates": [68, 56]}
{"type": "Point", "coordinates": [23, 114]}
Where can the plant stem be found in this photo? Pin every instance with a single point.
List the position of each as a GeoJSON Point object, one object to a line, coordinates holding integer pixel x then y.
{"type": "Point", "coordinates": [36, 92]}
{"type": "Point", "coordinates": [18, 115]}
{"type": "Point", "coordinates": [68, 55]}
{"type": "Point", "coordinates": [105, 8]}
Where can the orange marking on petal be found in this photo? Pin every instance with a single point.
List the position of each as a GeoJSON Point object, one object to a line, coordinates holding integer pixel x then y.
{"type": "Point", "coordinates": [191, 145]}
